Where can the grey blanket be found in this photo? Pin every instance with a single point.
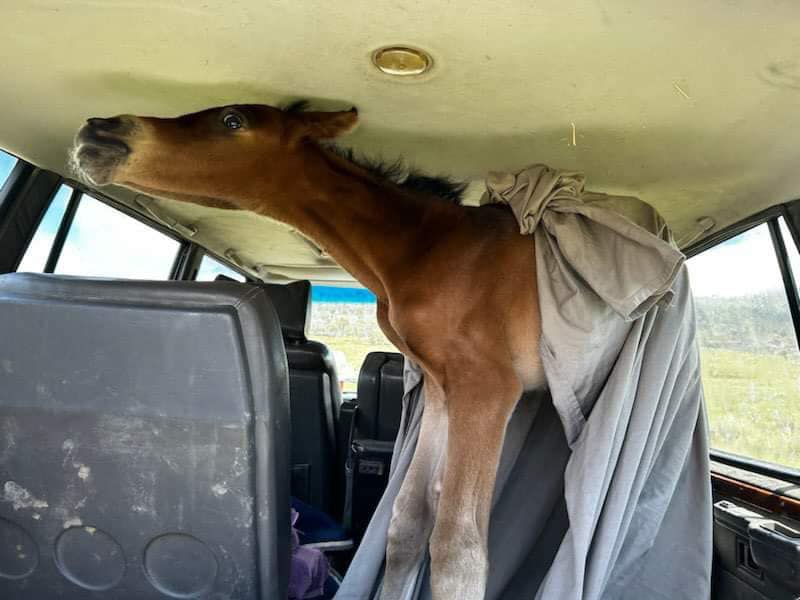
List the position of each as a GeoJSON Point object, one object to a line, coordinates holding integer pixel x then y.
{"type": "Point", "coordinates": [603, 489]}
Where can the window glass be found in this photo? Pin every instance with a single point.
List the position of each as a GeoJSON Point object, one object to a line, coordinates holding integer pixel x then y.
{"type": "Point", "coordinates": [104, 242]}
{"type": "Point", "coordinates": [211, 267]}
{"type": "Point", "coordinates": [35, 257]}
{"type": "Point", "coordinates": [344, 320]}
{"type": "Point", "coordinates": [791, 250]}
{"type": "Point", "coordinates": [7, 164]}
{"type": "Point", "coordinates": [750, 360]}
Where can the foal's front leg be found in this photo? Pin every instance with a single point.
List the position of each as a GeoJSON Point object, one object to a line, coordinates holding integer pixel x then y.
{"type": "Point", "coordinates": [480, 398]}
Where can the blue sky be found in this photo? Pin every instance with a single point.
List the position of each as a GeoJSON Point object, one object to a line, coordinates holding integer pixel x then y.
{"type": "Point", "coordinates": [742, 266]}
{"type": "Point", "coordinates": [39, 248]}
{"type": "Point", "coordinates": [326, 293]}
{"type": "Point", "coordinates": [102, 242]}
{"type": "Point", "coordinates": [211, 267]}
{"type": "Point", "coordinates": [7, 163]}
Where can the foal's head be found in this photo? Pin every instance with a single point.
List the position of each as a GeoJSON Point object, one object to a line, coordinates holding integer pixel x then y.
{"type": "Point", "coordinates": [209, 154]}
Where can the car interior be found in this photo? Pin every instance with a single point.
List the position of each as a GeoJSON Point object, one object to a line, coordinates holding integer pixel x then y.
{"type": "Point", "coordinates": [175, 379]}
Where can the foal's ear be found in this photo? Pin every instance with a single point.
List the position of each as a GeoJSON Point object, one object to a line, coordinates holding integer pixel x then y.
{"type": "Point", "coordinates": [322, 125]}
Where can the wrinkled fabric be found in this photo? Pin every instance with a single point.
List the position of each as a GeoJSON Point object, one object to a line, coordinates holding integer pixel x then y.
{"type": "Point", "coordinates": [603, 489]}
{"type": "Point", "coordinates": [308, 568]}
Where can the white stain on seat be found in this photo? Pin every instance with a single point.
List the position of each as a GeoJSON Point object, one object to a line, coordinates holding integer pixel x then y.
{"type": "Point", "coordinates": [68, 447]}
{"type": "Point", "coordinates": [219, 489]}
{"type": "Point", "coordinates": [20, 497]}
{"type": "Point", "coordinates": [84, 472]}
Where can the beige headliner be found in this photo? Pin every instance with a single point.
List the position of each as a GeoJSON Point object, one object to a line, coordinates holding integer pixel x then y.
{"type": "Point", "coordinates": [691, 106]}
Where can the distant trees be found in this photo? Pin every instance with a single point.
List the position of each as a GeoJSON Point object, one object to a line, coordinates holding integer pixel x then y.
{"type": "Point", "coordinates": [346, 319]}
{"type": "Point", "coordinates": [758, 323]}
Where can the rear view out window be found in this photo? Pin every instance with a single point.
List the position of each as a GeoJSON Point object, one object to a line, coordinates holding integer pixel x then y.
{"type": "Point", "coordinates": [38, 251]}
{"type": "Point", "coordinates": [104, 242]}
{"type": "Point", "coordinates": [98, 241]}
{"type": "Point", "coordinates": [210, 268]}
{"type": "Point", "coordinates": [791, 251]}
{"type": "Point", "coordinates": [7, 164]}
{"type": "Point", "coordinates": [344, 320]}
{"type": "Point", "coordinates": [749, 354]}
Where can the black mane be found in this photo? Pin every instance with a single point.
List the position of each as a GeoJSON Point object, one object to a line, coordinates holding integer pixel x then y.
{"type": "Point", "coordinates": [296, 106]}
{"type": "Point", "coordinates": [396, 172]}
{"type": "Point", "coordinates": [405, 177]}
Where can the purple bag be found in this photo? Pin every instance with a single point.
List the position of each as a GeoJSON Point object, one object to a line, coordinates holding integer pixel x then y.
{"type": "Point", "coordinates": [308, 570]}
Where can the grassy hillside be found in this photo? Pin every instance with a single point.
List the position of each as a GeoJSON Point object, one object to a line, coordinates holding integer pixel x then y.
{"type": "Point", "coordinates": [753, 403]}
{"type": "Point", "coordinates": [750, 362]}
{"type": "Point", "coordinates": [751, 375]}
{"type": "Point", "coordinates": [352, 330]}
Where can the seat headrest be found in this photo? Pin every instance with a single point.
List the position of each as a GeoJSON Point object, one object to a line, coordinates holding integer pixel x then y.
{"type": "Point", "coordinates": [292, 302]}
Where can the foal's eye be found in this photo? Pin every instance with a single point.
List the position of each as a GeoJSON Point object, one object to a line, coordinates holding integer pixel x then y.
{"type": "Point", "coordinates": [232, 121]}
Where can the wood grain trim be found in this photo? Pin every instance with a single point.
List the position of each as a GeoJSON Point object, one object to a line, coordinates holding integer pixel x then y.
{"type": "Point", "coordinates": [757, 496]}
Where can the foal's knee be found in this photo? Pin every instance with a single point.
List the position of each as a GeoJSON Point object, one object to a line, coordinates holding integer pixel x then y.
{"type": "Point", "coordinates": [405, 539]}
{"type": "Point", "coordinates": [457, 540]}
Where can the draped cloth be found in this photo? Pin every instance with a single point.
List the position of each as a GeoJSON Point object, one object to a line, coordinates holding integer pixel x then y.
{"type": "Point", "coordinates": [603, 489]}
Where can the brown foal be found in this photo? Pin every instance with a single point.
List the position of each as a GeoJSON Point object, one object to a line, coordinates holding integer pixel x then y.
{"type": "Point", "coordinates": [456, 290]}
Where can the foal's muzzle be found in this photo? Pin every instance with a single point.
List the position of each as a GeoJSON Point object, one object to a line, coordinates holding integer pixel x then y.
{"type": "Point", "coordinates": [100, 148]}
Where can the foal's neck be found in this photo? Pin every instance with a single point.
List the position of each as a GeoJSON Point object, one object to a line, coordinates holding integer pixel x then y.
{"type": "Point", "coordinates": [375, 230]}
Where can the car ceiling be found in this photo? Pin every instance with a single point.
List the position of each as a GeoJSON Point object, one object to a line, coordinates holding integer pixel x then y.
{"type": "Point", "coordinates": [693, 107]}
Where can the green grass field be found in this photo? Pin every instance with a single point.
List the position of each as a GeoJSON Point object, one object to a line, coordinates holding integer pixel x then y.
{"type": "Point", "coordinates": [753, 403]}
{"type": "Point", "coordinates": [753, 398]}
{"type": "Point", "coordinates": [355, 349]}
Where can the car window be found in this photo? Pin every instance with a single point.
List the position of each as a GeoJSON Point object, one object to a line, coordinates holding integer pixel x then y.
{"type": "Point", "coordinates": [791, 250]}
{"type": "Point", "coordinates": [104, 242]}
{"type": "Point", "coordinates": [344, 320]}
{"type": "Point", "coordinates": [750, 360]}
{"type": "Point", "coordinates": [7, 164]}
{"type": "Point", "coordinates": [101, 241]}
{"type": "Point", "coordinates": [211, 267]}
{"type": "Point", "coordinates": [35, 257]}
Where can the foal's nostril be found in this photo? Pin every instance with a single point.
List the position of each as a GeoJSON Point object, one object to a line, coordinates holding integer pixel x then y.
{"type": "Point", "coordinates": [104, 124]}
